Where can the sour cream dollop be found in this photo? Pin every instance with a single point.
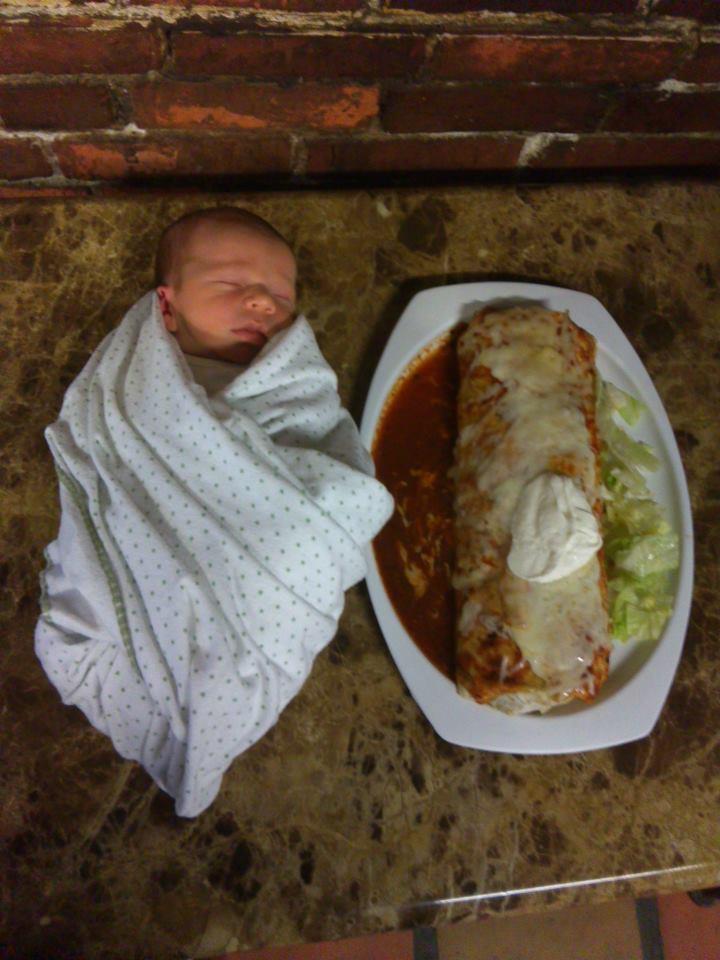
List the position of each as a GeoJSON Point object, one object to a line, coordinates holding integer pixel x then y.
{"type": "Point", "coordinates": [554, 531]}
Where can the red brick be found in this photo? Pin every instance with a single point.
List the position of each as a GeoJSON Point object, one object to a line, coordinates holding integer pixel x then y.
{"type": "Point", "coordinates": [54, 49]}
{"type": "Point", "coordinates": [693, 9]}
{"type": "Point", "coordinates": [661, 112]}
{"type": "Point", "coordinates": [689, 931]}
{"type": "Point", "coordinates": [231, 105]}
{"type": "Point", "coordinates": [401, 154]}
{"type": "Point", "coordinates": [704, 66]}
{"type": "Point", "coordinates": [45, 106]}
{"type": "Point", "coordinates": [41, 193]}
{"type": "Point", "coordinates": [209, 156]}
{"type": "Point", "coordinates": [573, 59]}
{"type": "Point", "coordinates": [626, 152]}
{"type": "Point", "coordinates": [46, 19]}
{"type": "Point", "coordinates": [515, 6]}
{"type": "Point", "coordinates": [300, 57]}
{"type": "Point", "coordinates": [299, 6]}
{"type": "Point", "coordinates": [502, 107]}
{"type": "Point", "coordinates": [21, 160]}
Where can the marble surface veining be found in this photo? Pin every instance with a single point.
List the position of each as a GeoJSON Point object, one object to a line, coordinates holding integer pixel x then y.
{"type": "Point", "coordinates": [351, 815]}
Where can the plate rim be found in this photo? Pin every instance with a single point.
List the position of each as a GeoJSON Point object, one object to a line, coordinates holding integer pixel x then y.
{"type": "Point", "coordinates": [567, 734]}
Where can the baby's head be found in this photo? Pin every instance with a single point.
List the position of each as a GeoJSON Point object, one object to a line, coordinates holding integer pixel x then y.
{"type": "Point", "coordinates": [225, 280]}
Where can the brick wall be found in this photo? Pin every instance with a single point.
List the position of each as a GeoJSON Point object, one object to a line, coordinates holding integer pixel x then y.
{"type": "Point", "coordinates": [295, 92]}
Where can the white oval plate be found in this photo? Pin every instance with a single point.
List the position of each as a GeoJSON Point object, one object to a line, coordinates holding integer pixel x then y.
{"type": "Point", "coordinates": [640, 674]}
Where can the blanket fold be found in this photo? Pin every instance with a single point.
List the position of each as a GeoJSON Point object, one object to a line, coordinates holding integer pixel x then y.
{"type": "Point", "coordinates": [205, 546]}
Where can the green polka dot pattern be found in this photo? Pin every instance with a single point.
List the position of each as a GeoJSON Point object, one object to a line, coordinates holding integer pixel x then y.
{"type": "Point", "coordinates": [205, 545]}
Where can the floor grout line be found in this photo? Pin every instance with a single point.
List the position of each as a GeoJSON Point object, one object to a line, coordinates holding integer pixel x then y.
{"type": "Point", "coordinates": [648, 921]}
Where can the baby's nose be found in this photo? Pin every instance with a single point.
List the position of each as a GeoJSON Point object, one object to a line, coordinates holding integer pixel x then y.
{"type": "Point", "coordinates": [260, 300]}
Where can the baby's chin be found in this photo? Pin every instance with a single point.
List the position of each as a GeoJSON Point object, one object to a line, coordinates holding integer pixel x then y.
{"type": "Point", "coordinates": [242, 352]}
{"type": "Point", "coordinates": [242, 349]}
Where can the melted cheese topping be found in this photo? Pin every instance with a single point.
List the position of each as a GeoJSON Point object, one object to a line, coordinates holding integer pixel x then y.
{"type": "Point", "coordinates": [557, 625]}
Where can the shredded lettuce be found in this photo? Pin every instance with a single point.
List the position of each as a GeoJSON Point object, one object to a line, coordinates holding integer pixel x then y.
{"type": "Point", "coordinates": [645, 555]}
{"type": "Point", "coordinates": [622, 446]}
{"type": "Point", "coordinates": [641, 549]}
{"type": "Point", "coordinates": [618, 401]}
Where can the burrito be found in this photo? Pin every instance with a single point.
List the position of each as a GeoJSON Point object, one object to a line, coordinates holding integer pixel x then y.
{"type": "Point", "coordinates": [532, 626]}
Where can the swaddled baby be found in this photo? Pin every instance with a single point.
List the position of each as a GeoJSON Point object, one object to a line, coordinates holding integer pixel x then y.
{"type": "Point", "coordinates": [208, 532]}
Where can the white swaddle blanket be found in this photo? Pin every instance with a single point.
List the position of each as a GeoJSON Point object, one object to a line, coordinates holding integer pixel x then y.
{"type": "Point", "coordinates": [204, 546]}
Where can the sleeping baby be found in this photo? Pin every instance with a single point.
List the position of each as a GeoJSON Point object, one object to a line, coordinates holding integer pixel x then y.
{"type": "Point", "coordinates": [226, 284]}
{"type": "Point", "coordinates": [216, 502]}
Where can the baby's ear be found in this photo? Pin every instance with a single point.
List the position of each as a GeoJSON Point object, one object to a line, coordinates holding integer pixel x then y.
{"type": "Point", "coordinates": [164, 295]}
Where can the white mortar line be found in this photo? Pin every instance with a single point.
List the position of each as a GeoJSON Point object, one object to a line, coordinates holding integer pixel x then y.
{"type": "Point", "coordinates": [373, 17]}
{"type": "Point", "coordinates": [679, 86]}
{"type": "Point", "coordinates": [50, 136]}
{"type": "Point", "coordinates": [536, 144]}
{"type": "Point", "coordinates": [49, 154]}
{"type": "Point", "coordinates": [298, 155]}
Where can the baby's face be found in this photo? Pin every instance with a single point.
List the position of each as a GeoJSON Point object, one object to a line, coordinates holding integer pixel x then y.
{"type": "Point", "coordinates": [233, 288]}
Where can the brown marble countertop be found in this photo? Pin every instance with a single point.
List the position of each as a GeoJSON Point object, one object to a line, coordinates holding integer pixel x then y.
{"type": "Point", "coordinates": [351, 815]}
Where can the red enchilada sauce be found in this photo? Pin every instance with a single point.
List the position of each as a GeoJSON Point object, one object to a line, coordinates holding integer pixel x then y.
{"type": "Point", "coordinates": [413, 453]}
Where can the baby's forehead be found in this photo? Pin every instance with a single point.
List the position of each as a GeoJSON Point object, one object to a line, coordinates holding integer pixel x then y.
{"type": "Point", "coordinates": [212, 236]}
{"type": "Point", "coordinates": [208, 232]}
{"type": "Point", "coordinates": [209, 241]}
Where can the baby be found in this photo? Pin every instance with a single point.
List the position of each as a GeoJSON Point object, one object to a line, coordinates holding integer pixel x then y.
{"type": "Point", "coordinates": [225, 280]}
{"type": "Point", "coordinates": [205, 548]}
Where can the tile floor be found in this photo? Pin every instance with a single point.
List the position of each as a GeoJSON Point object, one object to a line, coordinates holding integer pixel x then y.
{"type": "Point", "coordinates": [673, 927]}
